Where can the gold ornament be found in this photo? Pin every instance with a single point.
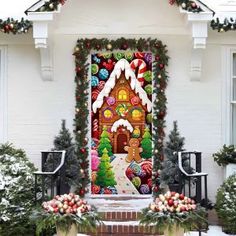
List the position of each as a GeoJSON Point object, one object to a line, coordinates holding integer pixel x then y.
{"type": "Point", "coordinates": [109, 46]}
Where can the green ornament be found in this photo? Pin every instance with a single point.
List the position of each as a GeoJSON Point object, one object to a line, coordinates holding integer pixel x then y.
{"type": "Point", "coordinates": [149, 118]}
{"type": "Point", "coordinates": [129, 56]}
{"type": "Point", "coordinates": [136, 182]}
{"type": "Point", "coordinates": [148, 89]}
{"type": "Point", "coordinates": [148, 76]}
{"type": "Point", "coordinates": [94, 69]}
{"type": "Point", "coordinates": [107, 55]}
{"type": "Point", "coordinates": [119, 55]}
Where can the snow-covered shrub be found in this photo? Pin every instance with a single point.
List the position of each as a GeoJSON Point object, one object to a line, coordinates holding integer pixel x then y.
{"type": "Point", "coordinates": [16, 192]}
{"type": "Point", "coordinates": [226, 204]}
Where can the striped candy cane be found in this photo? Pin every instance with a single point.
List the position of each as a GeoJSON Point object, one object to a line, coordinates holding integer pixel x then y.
{"type": "Point", "coordinates": [142, 67]}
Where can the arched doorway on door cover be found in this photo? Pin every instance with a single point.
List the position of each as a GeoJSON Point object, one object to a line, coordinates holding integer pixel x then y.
{"type": "Point", "coordinates": [121, 142]}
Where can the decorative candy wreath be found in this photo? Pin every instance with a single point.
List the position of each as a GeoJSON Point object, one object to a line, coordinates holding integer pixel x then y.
{"type": "Point", "coordinates": [82, 50]}
{"type": "Point", "coordinates": [124, 111]}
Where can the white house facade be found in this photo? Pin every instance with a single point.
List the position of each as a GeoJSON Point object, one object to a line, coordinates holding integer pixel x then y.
{"type": "Point", "coordinates": [37, 72]}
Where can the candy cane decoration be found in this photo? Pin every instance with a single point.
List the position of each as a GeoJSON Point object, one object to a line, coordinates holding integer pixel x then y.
{"type": "Point", "coordinates": [142, 67]}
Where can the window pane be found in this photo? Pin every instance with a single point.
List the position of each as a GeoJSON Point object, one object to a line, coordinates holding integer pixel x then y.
{"type": "Point", "coordinates": [234, 64]}
{"type": "Point", "coordinates": [234, 89]}
{"type": "Point", "coordinates": [234, 124]}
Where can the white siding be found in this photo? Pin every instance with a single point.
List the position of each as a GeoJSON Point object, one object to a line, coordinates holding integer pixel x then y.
{"type": "Point", "coordinates": [36, 107]}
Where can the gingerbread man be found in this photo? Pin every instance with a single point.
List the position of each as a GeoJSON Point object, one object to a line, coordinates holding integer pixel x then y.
{"type": "Point", "coordinates": [133, 151]}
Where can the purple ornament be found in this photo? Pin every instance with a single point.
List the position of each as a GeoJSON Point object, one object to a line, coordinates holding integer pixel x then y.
{"type": "Point", "coordinates": [111, 101]}
{"type": "Point", "coordinates": [148, 58]}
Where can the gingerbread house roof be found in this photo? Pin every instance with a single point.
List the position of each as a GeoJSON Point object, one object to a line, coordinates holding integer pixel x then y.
{"type": "Point", "coordinates": [122, 122]}
{"type": "Point", "coordinates": [122, 65]}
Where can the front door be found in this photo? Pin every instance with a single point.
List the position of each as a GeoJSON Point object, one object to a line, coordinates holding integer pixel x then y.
{"type": "Point", "coordinates": [121, 142]}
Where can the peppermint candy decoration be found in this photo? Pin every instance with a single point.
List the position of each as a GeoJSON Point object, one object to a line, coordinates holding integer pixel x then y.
{"type": "Point", "coordinates": [95, 94]}
{"type": "Point", "coordinates": [142, 67]}
{"type": "Point", "coordinates": [101, 85]}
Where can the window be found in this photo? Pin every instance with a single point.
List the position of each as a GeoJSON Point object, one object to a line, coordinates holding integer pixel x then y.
{"type": "Point", "coordinates": [123, 95]}
{"type": "Point", "coordinates": [136, 114]}
{"type": "Point", "coordinates": [233, 98]}
{"type": "Point", "coordinates": [108, 114]}
{"type": "Point", "coordinates": [3, 95]}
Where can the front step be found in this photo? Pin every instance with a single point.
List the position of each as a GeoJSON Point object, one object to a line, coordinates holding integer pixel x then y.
{"type": "Point", "coordinates": [123, 228]}
{"type": "Point", "coordinates": [121, 215]}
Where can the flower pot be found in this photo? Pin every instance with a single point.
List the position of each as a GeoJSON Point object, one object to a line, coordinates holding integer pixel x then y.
{"type": "Point", "coordinates": [230, 169]}
{"type": "Point", "coordinates": [72, 231]}
{"type": "Point", "coordinates": [176, 231]}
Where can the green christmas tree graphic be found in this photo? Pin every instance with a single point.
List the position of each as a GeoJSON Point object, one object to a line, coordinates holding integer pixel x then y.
{"type": "Point", "coordinates": [105, 143]}
{"type": "Point", "coordinates": [146, 144]}
{"type": "Point", "coordinates": [105, 174]}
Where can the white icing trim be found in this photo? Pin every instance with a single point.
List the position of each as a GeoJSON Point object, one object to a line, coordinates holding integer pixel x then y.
{"type": "Point", "coordinates": [122, 122]}
{"type": "Point", "coordinates": [122, 65]}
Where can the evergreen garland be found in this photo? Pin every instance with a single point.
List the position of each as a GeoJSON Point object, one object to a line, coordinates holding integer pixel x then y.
{"type": "Point", "coordinates": [187, 5]}
{"type": "Point", "coordinates": [226, 25]}
{"type": "Point", "coordinates": [14, 26]}
{"type": "Point", "coordinates": [51, 5]}
{"type": "Point", "coordinates": [160, 61]}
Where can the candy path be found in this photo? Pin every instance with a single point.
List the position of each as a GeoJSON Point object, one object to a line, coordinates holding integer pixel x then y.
{"type": "Point", "coordinates": [124, 185]}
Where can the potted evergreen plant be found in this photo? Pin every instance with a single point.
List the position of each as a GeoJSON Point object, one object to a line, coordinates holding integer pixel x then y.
{"type": "Point", "coordinates": [225, 204]}
{"type": "Point", "coordinates": [226, 157]}
{"type": "Point", "coordinates": [66, 213]}
{"type": "Point", "coordinates": [170, 168]}
{"type": "Point", "coordinates": [174, 214]}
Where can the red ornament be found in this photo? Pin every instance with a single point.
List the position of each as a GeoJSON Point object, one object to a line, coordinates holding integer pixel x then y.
{"type": "Point", "coordinates": [170, 202]}
{"type": "Point", "coordinates": [161, 114]}
{"type": "Point", "coordinates": [124, 46]}
{"type": "Point", "coordinates": [87, 44]}
{"type": "Point", "coordinates": [98, 46]}
{"type": "Point", "coordinates": [156, 189]}
{"type": "Point", "coordinates": [171, 2]}
{"type": "Point", "coordinates": [181, 196]}
{"type": "Point", "coordinates": [82, 150]}
{"type": "Point", "coordinates": [161, 66]}
{"type": "Point", "coordinates": [193, 5]}
{"type": "Point", "coordinates": [81, 192]}
{"type": "Point", "coordinates": [157, 58]}
{"type": "Point", "coordinates": [78, 69]}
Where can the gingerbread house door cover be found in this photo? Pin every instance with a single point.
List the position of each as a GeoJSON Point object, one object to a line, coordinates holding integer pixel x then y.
{"type": "Point", "coordinates": [121, 119]}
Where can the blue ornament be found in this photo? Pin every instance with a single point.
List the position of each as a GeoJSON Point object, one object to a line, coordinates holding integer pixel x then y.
{"type": "Point", "coordinates": [94, 81]}
{"type": "Point", "coordinates": [103, 74]}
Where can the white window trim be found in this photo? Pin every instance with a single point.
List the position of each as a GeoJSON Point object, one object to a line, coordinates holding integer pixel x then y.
{"type": "Point", "coordinates": [227, 89]}
{"type": "Point", "coordinates": [3, 95]}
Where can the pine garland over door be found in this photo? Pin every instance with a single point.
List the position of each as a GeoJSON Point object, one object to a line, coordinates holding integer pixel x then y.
{"type": "Point", "coordinates": [83, 49]}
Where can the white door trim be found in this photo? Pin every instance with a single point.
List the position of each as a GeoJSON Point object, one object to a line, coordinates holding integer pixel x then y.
{"type": "Point", "coordinates": [3, 94]}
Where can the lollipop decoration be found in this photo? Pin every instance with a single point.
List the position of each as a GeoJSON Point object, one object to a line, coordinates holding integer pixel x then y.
{"type": "Point", "coordinates": [103, 74]}
{"type": "Point", "coordinates": [142, 67]}
{"type": "Point", "coordinates": [135, 100]}
{"type": "Point", "coordinates": [94, 81]}
{"type": "Point", "coordinates": [147, 76]}
{"type": "Point", "coordinates": [144, 189]}
{"type": "Point", "coordinates": [129, 56]}
{"type": "Point", "coordinates": [148, 58]}
{"type": "Point", "coordinates": [95, 94]}
{"type": "Point", "coordinates": [94, 69]}
{"type": "Point", "coordinates": [119, 55]}
{"type": "Point", "coordinates": [139, 54]}
{"type": "Point", "coordinates": [148, 89]}
{"type": "Point", "coordinates": [110, 101]}
{"type": "Point", "coordinates": [101, 85]}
